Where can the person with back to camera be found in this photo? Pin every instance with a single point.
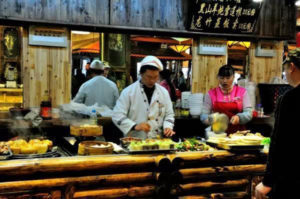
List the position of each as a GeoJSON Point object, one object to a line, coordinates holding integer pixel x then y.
{"type": "Point", "coordinates": [98, 89]}
{"type": "Point", "coordinates": [282, 176]}
{"type": "Point", "coordinates": [230, 99]}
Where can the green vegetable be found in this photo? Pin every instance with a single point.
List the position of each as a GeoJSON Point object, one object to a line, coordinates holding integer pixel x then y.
{"type": "Point", "coordinates": [266, 141]}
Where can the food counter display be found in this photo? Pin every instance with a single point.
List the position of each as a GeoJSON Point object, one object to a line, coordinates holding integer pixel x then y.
{"type": "Point", "coordinates": [183, 174]}
{"type": "Point", "coordinates": [190, 169]}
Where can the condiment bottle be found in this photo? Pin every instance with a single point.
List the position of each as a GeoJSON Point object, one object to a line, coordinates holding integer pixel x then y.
{"type": "Point", "coordinates": [46, 107]}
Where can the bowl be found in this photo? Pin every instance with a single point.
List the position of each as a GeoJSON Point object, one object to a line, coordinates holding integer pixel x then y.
{"type": "Point", "coordinates": [125, 142]}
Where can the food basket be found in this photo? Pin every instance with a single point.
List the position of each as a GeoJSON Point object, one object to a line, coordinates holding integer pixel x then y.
{"type": "Point", "coordinates": [94, 148]}
{"type": "Point", "coordinates": [86, 130]}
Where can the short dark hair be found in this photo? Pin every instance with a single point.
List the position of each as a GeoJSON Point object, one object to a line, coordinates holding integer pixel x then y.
{"type": "Point", "coordinates": [97, 72]}
{"type": "Point", "coordinates": [293, 56]}
{"type": "Point", "coordinates": [165, 74]}
{"type": "Point", "coordinates": [147, 67]}
{"type": "Point", "coordinates": [226, 71]}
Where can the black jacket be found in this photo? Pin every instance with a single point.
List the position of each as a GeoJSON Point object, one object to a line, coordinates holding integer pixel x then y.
{"type": "Point", "coordinates": [282, 173]}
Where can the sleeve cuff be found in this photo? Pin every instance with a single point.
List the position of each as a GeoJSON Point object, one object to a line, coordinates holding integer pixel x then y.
{"type": "Point", "coordinates": [168, 125]}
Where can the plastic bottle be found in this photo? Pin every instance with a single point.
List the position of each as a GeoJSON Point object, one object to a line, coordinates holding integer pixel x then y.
{"type": "Point", "coordinates": [46, 107]}
{"type": "Point", "coordinates": [258, 109]}
{"type": "Point", "coordinates": [261, 112]}
{"type": "Point", "coordinates": [94, 118]}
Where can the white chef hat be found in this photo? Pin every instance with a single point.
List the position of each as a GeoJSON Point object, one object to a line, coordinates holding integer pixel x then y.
{"type": "Point", "coordinates": [97, 65]}
{"type": "Point", "coordinates": [152, 61]}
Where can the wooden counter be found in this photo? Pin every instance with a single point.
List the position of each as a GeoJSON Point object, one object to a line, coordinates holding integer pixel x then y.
{"type": "Point", "coordinates": [138, 176]}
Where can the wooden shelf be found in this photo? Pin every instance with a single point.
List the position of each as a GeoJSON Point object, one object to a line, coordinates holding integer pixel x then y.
{"type": "Point", "coordinates": [12, 90]}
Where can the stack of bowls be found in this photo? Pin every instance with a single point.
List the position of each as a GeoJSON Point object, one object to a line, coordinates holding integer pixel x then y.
{"type": "Point", "coordinates": [185, 100]}
{"type": "Point", "coordinates": [195, 104]}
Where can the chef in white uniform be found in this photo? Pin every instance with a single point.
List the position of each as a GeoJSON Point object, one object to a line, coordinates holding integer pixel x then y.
{"type": "Point", "coordinates": [144, 108]}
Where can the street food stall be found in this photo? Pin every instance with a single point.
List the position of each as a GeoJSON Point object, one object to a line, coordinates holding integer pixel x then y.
{"type": "Point", "coordinates": [47, 166]}
{"type": "Point", "coordinates": [74, 157]}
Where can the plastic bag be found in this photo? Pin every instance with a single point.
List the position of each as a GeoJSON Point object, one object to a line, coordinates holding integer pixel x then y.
{"type": "Point", "coordinates": [82, 109]}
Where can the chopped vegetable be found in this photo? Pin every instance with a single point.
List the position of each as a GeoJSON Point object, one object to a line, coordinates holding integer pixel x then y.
{"type": "Point", "coordinates": [192, 144]}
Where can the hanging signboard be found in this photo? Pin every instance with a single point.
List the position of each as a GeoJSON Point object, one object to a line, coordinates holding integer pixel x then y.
{"type": "Point", "coordinates": [44, 36]}
{"type": "Point", "coordinates": [225, 16]}
{"type": "Point", "coordinates": [212, 47]}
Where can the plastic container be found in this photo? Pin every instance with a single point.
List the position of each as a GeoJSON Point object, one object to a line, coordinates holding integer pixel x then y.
{"type": "Point", "coordinates": [185, 100]}
{"type": "Point", "coordinates": [55, 113]}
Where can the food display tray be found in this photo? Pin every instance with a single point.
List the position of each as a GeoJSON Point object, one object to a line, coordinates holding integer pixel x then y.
{"type": "Point", "coordinates": [237, 148]}
{"type": "Point", "coordinates": [152, 151]}
{"type": "Point", "coordinates": [6, 156]}
{"type": "Point", "coordinates": [49, 154]}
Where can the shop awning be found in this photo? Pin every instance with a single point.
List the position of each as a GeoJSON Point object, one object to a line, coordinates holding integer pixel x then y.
{"type": "Point", "coordinates": [161, 40]}
{"type": "Point", "coordinates": [89, 48]}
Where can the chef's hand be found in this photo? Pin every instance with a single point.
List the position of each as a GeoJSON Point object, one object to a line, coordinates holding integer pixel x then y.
{"type": "Point", "coordinates": [235, 120]}
{"type": "Point", "coordinates": [143, 127]}
{"type": "Point", "coordinates": [261, 191]}
{"type": "Point", "coordinates": [168, 132]}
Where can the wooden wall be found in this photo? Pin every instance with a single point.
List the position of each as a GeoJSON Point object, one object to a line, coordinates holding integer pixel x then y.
{"type": "Point", "coordinates": [263, 69]}
{"type": "Point", "coordinates": [46, 69]}
{"type": "Point", "coordinates": [205, 69]}
{"type": "Point", "coordinates": [277, 20]}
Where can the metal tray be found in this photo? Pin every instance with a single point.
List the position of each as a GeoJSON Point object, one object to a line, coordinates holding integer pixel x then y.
{"type": "Point", "coordinates": [237, 148]}
{"type": "Point", "coordinates": [48, 154]}
{"type": "Point", "coordinates": [153, 151]}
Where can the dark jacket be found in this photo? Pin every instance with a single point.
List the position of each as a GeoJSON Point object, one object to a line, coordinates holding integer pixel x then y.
{"type": "Point", "coordinates": [282, 173]}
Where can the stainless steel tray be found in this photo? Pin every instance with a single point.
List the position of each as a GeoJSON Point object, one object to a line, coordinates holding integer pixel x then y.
{"type": "Point", "coordinates": [153, 151]}
{"type": "Point", "coordinates": [237, 148]}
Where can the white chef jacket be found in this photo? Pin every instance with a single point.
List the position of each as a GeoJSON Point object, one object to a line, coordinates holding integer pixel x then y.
{"type": "Point", "coordinates": [132, 108]}
{"type": "Point", "coordinates": [99, 90]}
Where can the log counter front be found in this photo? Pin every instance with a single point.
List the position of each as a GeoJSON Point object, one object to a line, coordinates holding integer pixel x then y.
{"type": "Point", "coordinates": [183, 174]}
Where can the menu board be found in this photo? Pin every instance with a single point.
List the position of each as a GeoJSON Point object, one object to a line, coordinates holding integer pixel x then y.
{"type": "Point", "coordinates": [226, 16]}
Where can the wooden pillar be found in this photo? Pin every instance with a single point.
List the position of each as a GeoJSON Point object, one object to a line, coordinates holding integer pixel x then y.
{"type": "Point", "coordinates": [263, 69]}
{"type": "Point", "coordinates": [46, 68]}
{"type": "Point", "coordinates": [205, 69]}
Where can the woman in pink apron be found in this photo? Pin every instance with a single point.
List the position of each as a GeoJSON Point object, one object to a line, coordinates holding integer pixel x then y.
{"type": "Point", "coordinates": [229, 99]}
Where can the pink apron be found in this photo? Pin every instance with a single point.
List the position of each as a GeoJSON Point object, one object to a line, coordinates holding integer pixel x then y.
{"type": "Point", "coordinates": [230, 107]}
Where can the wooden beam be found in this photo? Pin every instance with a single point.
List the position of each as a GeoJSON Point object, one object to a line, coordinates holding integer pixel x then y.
{"type": "Point", "coordinates": [140, 30]}
{"type": "Point", "coordinates": [209, 186]}
{"type": "Point", "coordinates": [100, 180]}
{"type": "Point", "coordinates": [67, 164]}
{"type": "Point", "coordinates": [211, 172]}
